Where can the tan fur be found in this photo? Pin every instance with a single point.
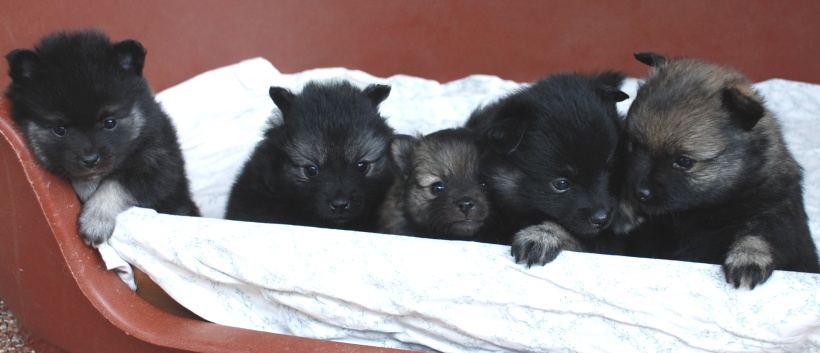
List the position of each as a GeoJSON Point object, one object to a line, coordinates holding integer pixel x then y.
{"type": "Point", "coordinates": [692, 126]}
{"type": "Point", "coordinates": [709, 166]}
{"type": "Point", "coordinates": [451, 161]}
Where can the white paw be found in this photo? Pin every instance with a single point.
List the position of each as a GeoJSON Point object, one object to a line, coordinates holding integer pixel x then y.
{"type": "Point", "coordinates": [99, 213]}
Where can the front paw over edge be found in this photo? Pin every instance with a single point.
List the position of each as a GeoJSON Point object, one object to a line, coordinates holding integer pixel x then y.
{"type": "Point", "coordinates": [95, 228]}
{"type": "Point", "coordinates": [541, 243]}
{"type": "Point", "coordinates": [749, 262]}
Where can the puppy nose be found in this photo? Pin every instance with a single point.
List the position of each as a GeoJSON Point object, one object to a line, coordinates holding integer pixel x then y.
{"type": "Point", "coordinates": [89, 160]}
{"type": "Point", "coordinates": [340, 204]}
{"type": "Point", "coordinates": [644, 194]}
{"type": "Point", "coordinates": [600, 218]}
{"type": "Point", "coordinates": [465, 204]}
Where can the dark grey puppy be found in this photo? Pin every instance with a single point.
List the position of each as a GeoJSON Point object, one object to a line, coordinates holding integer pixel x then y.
{"type": "Point", "coordinates": [708, 167]}
{"type": "Point", "coordinates": [89, 116]}
{"type": "Point", "coordinates": [549, 152]}
{"type": "Point", "coordinates": [325, 164]}
{"type": "Point", "coordinates": [438, 192]}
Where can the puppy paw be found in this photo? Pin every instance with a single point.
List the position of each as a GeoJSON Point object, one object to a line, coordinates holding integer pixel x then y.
{"type": "Point", "coordinates": [95, 228]}
{"type": "Point", "coordinates": [99, 214]}
{"type": "Point", "coordinates": [749, 262]}
{"type": "Point", "coordinates": [542, 243]}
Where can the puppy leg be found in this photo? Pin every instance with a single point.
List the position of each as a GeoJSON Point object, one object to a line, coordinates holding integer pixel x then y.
{"type": "Point", "coordinates": [542, 243]}
{"type": "Point", "coordinates": [99, 213]}
{"type": "Point", "coordinates": [748, 262]}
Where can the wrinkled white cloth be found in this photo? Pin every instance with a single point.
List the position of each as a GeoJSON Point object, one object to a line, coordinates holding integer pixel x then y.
{"type": "Point", "coordinates": [448, 296]}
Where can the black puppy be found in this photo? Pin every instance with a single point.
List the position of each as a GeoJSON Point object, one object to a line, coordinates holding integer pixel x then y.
{"type": "Point", "coordinates": [325, 164]}
{"type": "Point", "coordinates": [549, 151]}
{"type": "Point", "coordinates": [89, 116]}
{"type": "Point", "coordinates": [710, 170]}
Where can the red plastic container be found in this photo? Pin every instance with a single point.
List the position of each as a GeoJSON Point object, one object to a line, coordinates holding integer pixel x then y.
{"type": "Point", "coordinates": [58, 288]}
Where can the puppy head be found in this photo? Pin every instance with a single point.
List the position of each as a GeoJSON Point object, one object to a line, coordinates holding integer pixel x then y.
{"type": "Point", "coordinates": [76, 97]}
{"type": "Point", "coordinates": [694, 131]}
{"type": "Point", "coordinates": [337, 147]}
{"type": "Point", "coordinates": [442, 188]}
{"type": "Point", "coordinates": [553, 147]}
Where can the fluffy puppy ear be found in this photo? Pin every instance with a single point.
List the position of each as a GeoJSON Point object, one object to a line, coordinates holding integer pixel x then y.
{"type": "Point", "coordinates": [22, 64]}
{"type": "Point", "coordinates": [130, 55]}
{"type": "Point", "coordinates": [612, 94]}
{"type": "Point", "coordinates": [650, 58]}
{"type": "Point", "coordinates": [377, 93]}
{"type": "Point", "coordinates": [745, 109]}
{"type": "Point", "coordinates": [282, 97]}
{"type": "Point", "coordinates": [401, 154]}
{"type": "Point", "coordinates": [504, 136]}
{"type": "Point", "coordinates": [607, 85]}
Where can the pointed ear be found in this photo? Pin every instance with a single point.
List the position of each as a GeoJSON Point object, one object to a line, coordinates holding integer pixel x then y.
{"type": "Point", "coordinates": [606, 85]}
{"type": "Point", "coordinates": [130, 55]}
{"type": "Point", "coordinates": [611, 94]}
{"type": "Point", "coordinates": [745, 109]}
{"type": "Point", "coordinates": [650, 58]}
{"type": "Point", "coordinates": [401, 153]}
{"type": "Point", "coordinates": [282, 97]}
{"type": "Point", "coordinates": [377, 93]}
{"type": "Point", "coordinates": [22, 64]}
{"type": "Point", "coordinates": [505, 136]}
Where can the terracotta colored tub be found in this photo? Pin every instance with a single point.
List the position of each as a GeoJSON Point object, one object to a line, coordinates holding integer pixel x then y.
{"type": "Point", "coordinates": [64, 298]}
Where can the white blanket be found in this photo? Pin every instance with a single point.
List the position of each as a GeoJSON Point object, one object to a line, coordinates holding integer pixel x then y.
{"type": "Point", "coordinates": [449, 296]}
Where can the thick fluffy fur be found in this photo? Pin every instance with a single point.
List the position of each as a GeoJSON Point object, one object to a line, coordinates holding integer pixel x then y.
{"type": "Point", "coordinates": [326, 164]}
{"type": "Point", "coordinates": [549, 151]}
{"type": "Point", "coordinates": [709, 168]}
{"type": "Point", "coordinates": [437, 192]}
{"type": "Point", "coordinates": [89, 116]}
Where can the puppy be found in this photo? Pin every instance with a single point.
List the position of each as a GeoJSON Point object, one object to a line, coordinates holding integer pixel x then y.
{"type": "Point", "coordinates": [326, 164]}
{"type": "Point", "coordinates": [89, 116]}
{"type": "Point", "coordinates": [708, 166]}
{"type": "Point", "coordinates": [549, 151]}
{"type": "Point", "coordinates": [438, 192]}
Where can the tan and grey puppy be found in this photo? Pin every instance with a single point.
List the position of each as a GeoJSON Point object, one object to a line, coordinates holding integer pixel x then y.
{"type": "Point", "coordinates": [437, 192]}
{"type": "Point", "coordinates": [708, 167]}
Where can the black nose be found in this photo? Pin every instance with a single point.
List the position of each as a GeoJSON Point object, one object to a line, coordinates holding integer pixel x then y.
{"type": "Point", "coordinates": [644, 194]}
{"type": "Point", "coordinates": [465, 204]}
{"type": "Point", "coordinates": [89, 160]}
{"type": "Point", "coordinates": [600, 218]}
{"type": "Point", "coordinates": [340, 204]}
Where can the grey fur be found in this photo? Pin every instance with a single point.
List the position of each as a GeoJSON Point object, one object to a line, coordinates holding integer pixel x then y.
{"type": "Point", "coordinates": [99, 213]}
{"type": "Point", "coordinates": [749, 255]}
{"type": "Point", "coordinates": [546, 240]}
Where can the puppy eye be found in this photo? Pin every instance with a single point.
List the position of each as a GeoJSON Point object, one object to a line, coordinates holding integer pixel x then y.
{"type": "Point", "coordinates": [683, 163]}
{"type": "Point", "coordinates": [311, 171]}
{"type": "Point", "coordinates": [482, 184]}
{"type": "Point", "coordinates": [560, 185]}
{"type": "Point", "coordinates": [437, 187]}
{"type": "Point", "coordinates": [59, 130]}
{"type": "Point", "coordinates": [363, 167]}
{"type": "Point", "coordinates": [109, 124]}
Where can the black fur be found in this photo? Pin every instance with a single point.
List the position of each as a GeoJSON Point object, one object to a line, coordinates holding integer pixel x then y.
{"type": "Point", "coordinates": [710, 170]}
{"type": "Point", "coordinates": [325, 164]}
{"type": "Point", "coordinates": [90, 117]}
{"type": "Point", "coordinates": [549, 151]}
